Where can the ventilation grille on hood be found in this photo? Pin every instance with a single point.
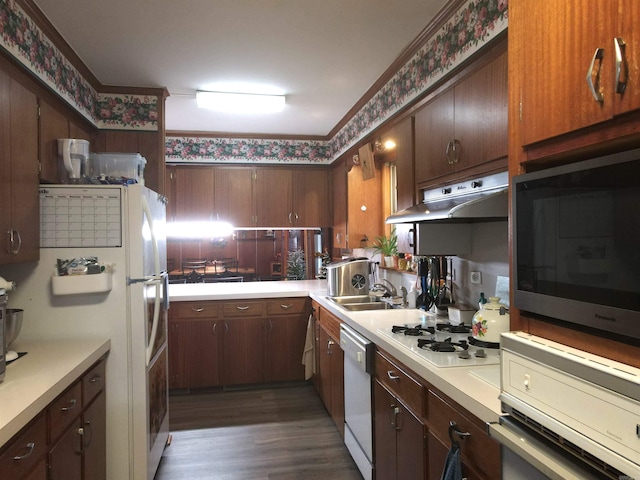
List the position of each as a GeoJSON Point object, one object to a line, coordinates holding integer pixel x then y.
{"type": "Point", "coordinates": [482, 199]}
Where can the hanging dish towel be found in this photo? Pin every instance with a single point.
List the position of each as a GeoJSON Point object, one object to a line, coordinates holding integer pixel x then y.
{"type": "Point", "coordinates": [453, 465]}
{"type": "Point", "coordinates": [308, 355]}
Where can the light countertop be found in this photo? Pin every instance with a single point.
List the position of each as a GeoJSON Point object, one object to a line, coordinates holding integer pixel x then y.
{"type": "Point", "coordinates": [475, 388]}
{"type": "Point", "coordinates": [34, 380]}
{"type": "Point", "coordinates": [182, 292]}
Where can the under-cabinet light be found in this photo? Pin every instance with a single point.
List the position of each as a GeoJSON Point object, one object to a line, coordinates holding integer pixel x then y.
{"type": "Point", "coordinates": [196, 230]}
{"type": "Point", "coordinates": [240, 102]}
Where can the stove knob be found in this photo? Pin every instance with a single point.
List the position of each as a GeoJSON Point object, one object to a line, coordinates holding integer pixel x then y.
{"type": "Point", "coordinates": [464, 354]}
{"type": "Point", "coordinates": [480, 353]}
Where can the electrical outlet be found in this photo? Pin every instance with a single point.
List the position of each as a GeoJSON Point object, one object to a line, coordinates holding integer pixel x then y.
{"type": "Point", "coordinates": [476, 278]}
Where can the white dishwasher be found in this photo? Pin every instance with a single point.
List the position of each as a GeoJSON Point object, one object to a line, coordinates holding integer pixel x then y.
{"type": "Point", "coordinates": [358, 417]}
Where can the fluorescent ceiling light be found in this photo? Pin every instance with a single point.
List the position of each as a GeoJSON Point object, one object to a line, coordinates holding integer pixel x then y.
{"type": "Point", "coordinates": [240, 102]}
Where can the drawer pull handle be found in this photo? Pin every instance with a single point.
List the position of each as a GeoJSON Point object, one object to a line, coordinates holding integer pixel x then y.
{"type": "Point", "coordinates": [96, 378]}
{"type": "Point", "coordinates": [453, 430]}
{"type": "Point", "coordinates": [392, 376]}
{"type": "Point", "coordinates": [71, 406]}
{"type": "Point", "coordinates": [246, 307]}
{"type": "Point", "coordinates": [31, 447]}
{"type": "Point", "coordinates": [198, 309]}
{"type": "Point", "coordinates": [286, 307]}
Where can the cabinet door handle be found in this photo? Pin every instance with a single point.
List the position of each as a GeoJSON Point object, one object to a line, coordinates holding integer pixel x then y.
{"type": "Point", "coordinates": [197, 309]}
{"type": "Point", "coordinates": [226, 327]}
{"type": "Point", "coordinates": [452, 151]}
{"type": "Point", "coordinates": [71, 405]}
{"type": "Point", "coordinates": [270, 326]}
{"type": "Point", "coordinates": [290, 221]}
{"type": "Point", "coordinates": [394, 419]}
{"type": "Point", "coordinates": [410, 237]}
{"type": "Point", "coordinates": [87, 433]}
{"type": "Point", "coordinates": [213, 329]}
{"type": "Point", "coordinates": [594, 87]}
{"type": "Point", "coordinates": [621, 64]}
{"type": "Point", "coordinates": [392, 376]}
{"type": "Point", "coordinates": [242, 307]}
{"type": "Point", "coordinates": [13, 234]}
{"type": "Point", "coordinates": [30, 447]}
{"type": "Point", "coordinates": [286, 307]}
{"type": "Point", "coordinates": [453, 430]}
{"type": "Point", "coordinates": [329, 345]}
{"type": "Point", "coordinates": [96, 378]}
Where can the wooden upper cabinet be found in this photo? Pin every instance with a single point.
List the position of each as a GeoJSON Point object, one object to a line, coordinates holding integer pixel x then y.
{"type": "Point", "coordinates": [311, 199]}
{"type": "Point", "coordinates": [194, 197]}
{"type": "Point", "coordinates": [273, 197]}
{"type": "Point", "coordinates": [465, 128]}
{"type": "Point", "coordinates": [53, 125]}
{"type": "Point", "coordinates": [554, 46]}
{"type": "Point", "coordinates": [339, 191]}
{"type": "Point", "coordinates": [19, 220]}
{"type": "Point", "coordinates": [364, 220]}
{"type": "Point", "coordinates": [294, 198]}
{"type": "Point", "coordinates": [434, 133]}
{"type": "Point", "coordinates": [233, 197]}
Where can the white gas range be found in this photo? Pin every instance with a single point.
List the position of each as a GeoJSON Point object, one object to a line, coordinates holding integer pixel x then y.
{"type": "Point", "coordinates": [433, 339]}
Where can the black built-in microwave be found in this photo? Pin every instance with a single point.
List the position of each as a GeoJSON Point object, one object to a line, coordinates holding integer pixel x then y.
{"type": "Point", "coordinates": [576, 248]}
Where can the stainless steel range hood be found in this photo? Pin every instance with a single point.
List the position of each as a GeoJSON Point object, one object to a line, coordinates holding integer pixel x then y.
{"type": "Point", "coordinates": [480, 200]}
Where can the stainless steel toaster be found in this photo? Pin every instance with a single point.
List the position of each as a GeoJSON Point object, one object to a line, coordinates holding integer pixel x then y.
{"type": "Point", "coordinates": [348, 277]}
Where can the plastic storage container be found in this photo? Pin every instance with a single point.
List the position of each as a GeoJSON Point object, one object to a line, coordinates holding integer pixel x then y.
{"type": "Point", "coordinates": [118, 165]}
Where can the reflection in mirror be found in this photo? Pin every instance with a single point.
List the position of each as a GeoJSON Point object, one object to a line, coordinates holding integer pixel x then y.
{"type": "Point", "coordinates": [255, 255]}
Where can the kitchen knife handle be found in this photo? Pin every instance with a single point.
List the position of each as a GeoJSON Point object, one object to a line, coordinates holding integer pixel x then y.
{"type": "Point", "coordinates": [594, 87]}
{"type": "Point", "coordinates": [621, 64]}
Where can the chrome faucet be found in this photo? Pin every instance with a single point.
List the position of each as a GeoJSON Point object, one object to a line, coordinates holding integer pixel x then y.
{"type": "Point", "coordinates": [390, 291]}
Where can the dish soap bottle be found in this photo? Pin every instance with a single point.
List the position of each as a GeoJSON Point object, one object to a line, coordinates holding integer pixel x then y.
{"type": "Point", "coordinates": [482, 301]}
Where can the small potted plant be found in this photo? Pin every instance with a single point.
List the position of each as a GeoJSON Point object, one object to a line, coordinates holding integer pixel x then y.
{"type": "Point", "coordinates": [387, 246]}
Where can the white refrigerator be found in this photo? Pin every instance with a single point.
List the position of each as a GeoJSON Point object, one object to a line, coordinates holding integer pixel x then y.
{"type": "Point", "coordinates": [124, 227]}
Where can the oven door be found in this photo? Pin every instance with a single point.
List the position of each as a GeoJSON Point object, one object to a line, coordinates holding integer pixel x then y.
{"type": "Point", "coordinates": [528, 456]}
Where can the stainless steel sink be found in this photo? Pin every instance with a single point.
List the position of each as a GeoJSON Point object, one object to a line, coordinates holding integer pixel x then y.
{"type": "Point", "coordinates": [355, 299]}
{"type": "Point", "coordinates": [357, 307]}
{"type": "Point", "coordinates": [361, 302]}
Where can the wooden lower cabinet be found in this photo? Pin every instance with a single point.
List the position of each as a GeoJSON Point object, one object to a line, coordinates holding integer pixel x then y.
{"type": "Point", "coordinates": [220, 343]}
{"type": "Point", "coordinates": [331, 371]}
{"type": "Point", "coordinates": [480, 454]}
{"type": "Point", "coordinates": [399, 438]}
{"type": "Point", "coordinates": [67, 440]}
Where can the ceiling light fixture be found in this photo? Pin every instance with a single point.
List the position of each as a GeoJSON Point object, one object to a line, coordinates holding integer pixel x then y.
{"type": "Point", "coordinates": [240, 102]}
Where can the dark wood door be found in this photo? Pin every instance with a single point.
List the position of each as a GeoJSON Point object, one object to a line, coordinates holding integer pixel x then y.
{"type": "Point", "coordinates": [5, 165]}
{"type": "Point", "coordinates": [284, 344]}
{"type": "Point", "coordinates": [65, 458]}
{"type": "Point", "coordinates": [94, 424]}
{"type": "Point", "coordinates": [201, 350]}
{"type": "Point", "coordinates": [434, 131]}
{"type": "Point", "coordinates": [194, 197]}
{"type": "Point", "coordinates": [242, 351]}
{"type": "Point", "coordinates": [384, 432]}
{"type": "Point", "coordinates": [53, 125]}
{"type": "Point", "coordinates": [481, 117]}
{"type": "Point", "coordinates": [273, 197]}
{"type": "Point", "coordinates": [410, 446]}
{"type": "Point", "coordinates": [337, 385]}
{"type": "Point", "coordinates": [24, 184]}
{"type": "Point", "coordinates": [311, 200]}
{"type": "Point", "coordinates": [324, 363]}
{"type": "Point", "coordinates": [233, 198]}
{"type": "Point", "coordinates": [176, 345]}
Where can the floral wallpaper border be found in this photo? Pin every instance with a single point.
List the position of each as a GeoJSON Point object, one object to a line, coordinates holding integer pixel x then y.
{"type": "Point", "coordinates": [26, 42]}
{"type": "Point", "coordinates": [245, 150]}
{"type": "Point", "coordinates": [469, 29]}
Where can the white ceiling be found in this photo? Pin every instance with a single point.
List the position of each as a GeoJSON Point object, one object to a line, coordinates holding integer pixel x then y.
{"type": "Point", "coordinates": [323, 54]}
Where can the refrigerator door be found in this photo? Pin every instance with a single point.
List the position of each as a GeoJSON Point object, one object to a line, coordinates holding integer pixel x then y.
{"type": "Point", "coordinates": [148, 296]}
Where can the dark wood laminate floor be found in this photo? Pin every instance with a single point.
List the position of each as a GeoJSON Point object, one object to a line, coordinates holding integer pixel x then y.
{"type": "Point", "coordinates": [268, 433]}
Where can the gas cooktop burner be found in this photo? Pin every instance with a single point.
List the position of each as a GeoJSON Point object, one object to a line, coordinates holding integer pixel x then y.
{"type": "Point", "coordinates": [442, 346]}
{"type": "Point", "coordinates": [447, 327]}
{"type": "Point", "coordinates": [413, 331]}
